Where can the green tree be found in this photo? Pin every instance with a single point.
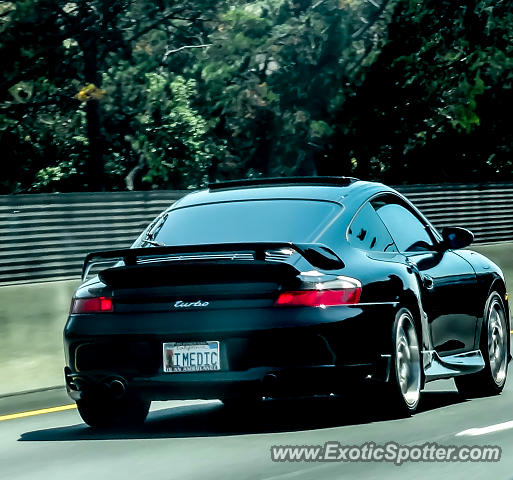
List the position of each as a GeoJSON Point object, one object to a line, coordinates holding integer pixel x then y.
{"type": "Point", "coordinates": [435, 104]}
{"type": "Point", "coordinates": [137, 94]}
{"type": "Point", "coordinates": [277, 73]}
{"type": "Point", "coordinates": [172, 139]}
{"type": "Point", "coordinates": [57, 55]}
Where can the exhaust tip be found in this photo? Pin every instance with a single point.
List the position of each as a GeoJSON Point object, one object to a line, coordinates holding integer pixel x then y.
{"type": "Point", "coordinates": [116, 387]}
{"type": "Point", "coordinates": [270, 382]}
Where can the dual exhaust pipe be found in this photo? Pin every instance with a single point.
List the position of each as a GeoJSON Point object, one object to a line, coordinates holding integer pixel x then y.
{"type": "Point", "coordinates": [270, 384]}
{"type": "Point", "coordinates": [114, 387]}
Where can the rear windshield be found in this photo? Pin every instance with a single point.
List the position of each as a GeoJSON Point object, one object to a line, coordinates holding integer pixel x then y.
{"type": "Point", "coordinates": [248, 221]}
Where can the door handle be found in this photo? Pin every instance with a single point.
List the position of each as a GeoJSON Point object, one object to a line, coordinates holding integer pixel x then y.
{"type": "Point", "coordinates": [428, 282]}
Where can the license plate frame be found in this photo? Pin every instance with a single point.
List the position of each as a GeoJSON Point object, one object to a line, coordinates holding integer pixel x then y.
{"type": "Point", "coordinates": [177, 358]}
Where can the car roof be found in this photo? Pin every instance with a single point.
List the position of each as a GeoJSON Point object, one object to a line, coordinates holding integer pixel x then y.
{"type": "Point", "coordinates": [351, 193]}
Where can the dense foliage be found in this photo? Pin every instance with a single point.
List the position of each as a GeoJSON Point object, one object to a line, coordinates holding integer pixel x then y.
{"type": "Point", "coordinates": [133, 94]}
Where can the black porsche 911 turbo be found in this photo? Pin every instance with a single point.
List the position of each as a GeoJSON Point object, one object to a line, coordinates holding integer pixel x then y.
{"type": "Point", "coordinates": [282, 287]}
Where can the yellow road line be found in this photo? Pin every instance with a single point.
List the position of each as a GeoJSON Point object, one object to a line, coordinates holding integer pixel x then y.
{"type": "Point", "coordinates": [31, 413]}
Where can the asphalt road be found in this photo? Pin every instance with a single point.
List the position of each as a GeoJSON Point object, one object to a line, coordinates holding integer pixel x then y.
{"type": "Point", "coordinates": [203, 440]}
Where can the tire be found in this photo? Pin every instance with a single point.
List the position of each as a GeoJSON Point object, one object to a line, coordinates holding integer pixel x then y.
{"type": "Point", "coordinates": [494, 346]}
{"type": "Point", "coordinates": [101, 412]}
{"type": "Point", "coordinates": [401, 395]}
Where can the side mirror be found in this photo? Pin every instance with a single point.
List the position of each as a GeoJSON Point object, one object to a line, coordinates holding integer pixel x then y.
{"type": "Point", "coordinates": [456, 237]}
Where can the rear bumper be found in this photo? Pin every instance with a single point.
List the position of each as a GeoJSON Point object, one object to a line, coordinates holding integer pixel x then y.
{"type": "Point", "coordinates": [259, 381]}
{"type": "Point", "coordinates": [268, 352]}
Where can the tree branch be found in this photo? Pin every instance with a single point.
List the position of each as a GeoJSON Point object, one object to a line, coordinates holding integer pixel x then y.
{"type": "Point", "coordinates": [184, 47]}
{"type": "Point", "coordinates": [371, 21]}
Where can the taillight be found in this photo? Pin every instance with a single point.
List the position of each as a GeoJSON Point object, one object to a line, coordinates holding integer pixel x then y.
{"type": "Point", "coordinates": [92, 305]}
{"type": "Point", "coordinates": [342, 291]}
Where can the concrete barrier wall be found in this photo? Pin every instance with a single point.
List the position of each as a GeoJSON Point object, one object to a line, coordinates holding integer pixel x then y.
{"type": "Point", "coordinates": [32, 317]}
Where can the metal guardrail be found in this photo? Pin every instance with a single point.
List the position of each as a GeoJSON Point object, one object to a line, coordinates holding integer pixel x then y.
{"type": "Point", "coordinates": [487, 210]}
{"type": "Point", "coordinates": [46, 237]}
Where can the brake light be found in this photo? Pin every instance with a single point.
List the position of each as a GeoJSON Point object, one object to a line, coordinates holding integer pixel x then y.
{"type": "Point", "coordinates": [319, 298]}
{"type": "Point", "coordinates": [342, 291]}
{"type": "Point", "coordinates": [92, 305]}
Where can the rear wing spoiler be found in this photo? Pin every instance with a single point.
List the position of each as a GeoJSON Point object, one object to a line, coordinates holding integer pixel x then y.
{"type": "Point", "coordinates": [316, 254]}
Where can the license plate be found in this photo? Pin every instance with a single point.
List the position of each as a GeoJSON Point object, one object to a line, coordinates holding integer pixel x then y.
{"type": "Point", "coordinates": [191, 357]}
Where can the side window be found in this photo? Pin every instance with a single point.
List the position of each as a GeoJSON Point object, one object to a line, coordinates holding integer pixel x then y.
{"type": "Point", "coordinates": [368, 232]}
{"type": "Point", "coordinates": [407, 230]}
